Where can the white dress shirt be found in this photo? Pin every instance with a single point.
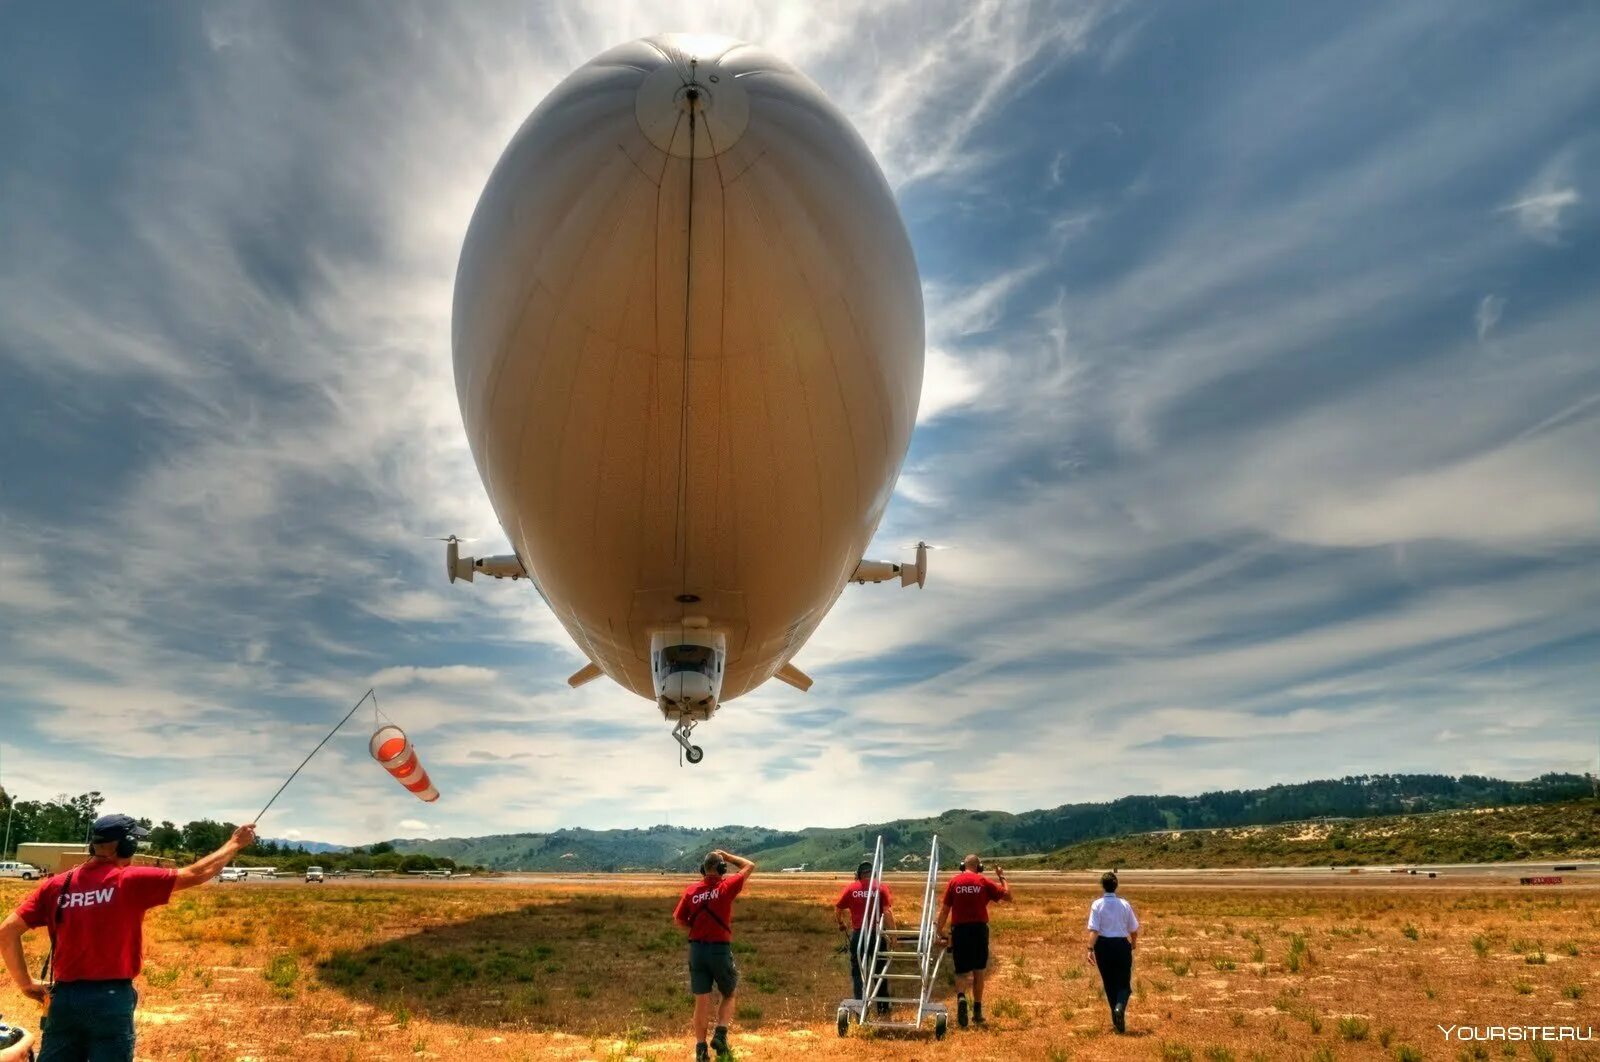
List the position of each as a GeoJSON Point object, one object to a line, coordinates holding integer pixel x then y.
{"type": "Point", "coordinates": [1112, 916]}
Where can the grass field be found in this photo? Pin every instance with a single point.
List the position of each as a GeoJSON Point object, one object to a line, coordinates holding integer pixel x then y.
{"type": "Point", "coordinates": [595, 971]}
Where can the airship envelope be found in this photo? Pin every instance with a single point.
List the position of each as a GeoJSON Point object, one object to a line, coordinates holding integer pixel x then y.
{"type": "Point", "coordinates": [393, 751]}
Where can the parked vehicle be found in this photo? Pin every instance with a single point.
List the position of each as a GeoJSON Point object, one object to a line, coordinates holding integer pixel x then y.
{"type": "Point", "coordinates": [25, 871]}
{"type": "Point", "coordinates": [232, 874]}
{"type": "Point", "coordinates": [314, 874]}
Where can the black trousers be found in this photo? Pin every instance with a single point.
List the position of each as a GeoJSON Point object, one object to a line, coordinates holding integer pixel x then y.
{"type": "Point", "coordinates": [857, 981]}
{"type": "Point", "coordinates": [1114, 957]}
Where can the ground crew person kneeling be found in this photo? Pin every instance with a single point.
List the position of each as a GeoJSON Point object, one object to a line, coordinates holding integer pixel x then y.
{"type": "Point", "coordinates": [95, 915]}
{"type": "Point", "coordinates": [966, 905]}
{"type": "Point", "coordinates": [706, 910]}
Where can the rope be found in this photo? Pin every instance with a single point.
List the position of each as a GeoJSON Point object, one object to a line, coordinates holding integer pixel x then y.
{"type": "Point", "coordinates": [370, 693]}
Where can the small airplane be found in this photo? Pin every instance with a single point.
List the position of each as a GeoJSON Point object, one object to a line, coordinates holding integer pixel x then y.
{"type": "Point", "coordinates": [688, 339]}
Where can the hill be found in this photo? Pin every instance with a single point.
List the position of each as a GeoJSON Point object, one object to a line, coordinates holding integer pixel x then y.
{"type": "Point", "coordinates": [998, 833]}
{"type": "Point", "coordinates": [1564, 831]}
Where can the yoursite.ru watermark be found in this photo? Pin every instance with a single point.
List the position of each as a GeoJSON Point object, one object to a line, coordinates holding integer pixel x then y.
{"type": "Point", "coordinates": [1515, 1033]}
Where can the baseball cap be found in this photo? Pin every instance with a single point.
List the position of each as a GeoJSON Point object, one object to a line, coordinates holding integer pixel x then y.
{"type": "Point", "coordinates": [116, 827]}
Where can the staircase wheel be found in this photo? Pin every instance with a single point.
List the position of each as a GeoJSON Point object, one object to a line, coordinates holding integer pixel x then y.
{"type": "Point", "coordinates": [843, 1021]}
{"type": "Point", "coordinates": [941, 1025]}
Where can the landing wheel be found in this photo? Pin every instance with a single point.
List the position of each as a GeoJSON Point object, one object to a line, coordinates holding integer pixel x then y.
{"type": "Point", "coordinates": [843, 1020]}
{"type": "Point", "coordinates": [694, 754]}
{"type": "Point", "coordinates": [941, 1025]}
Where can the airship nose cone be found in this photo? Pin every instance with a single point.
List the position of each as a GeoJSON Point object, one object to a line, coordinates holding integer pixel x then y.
{"type": "Point", "coordinates": [692, 105]}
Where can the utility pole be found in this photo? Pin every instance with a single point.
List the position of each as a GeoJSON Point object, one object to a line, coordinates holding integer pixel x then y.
{"type": "Point", "coordinates": [11, 805]}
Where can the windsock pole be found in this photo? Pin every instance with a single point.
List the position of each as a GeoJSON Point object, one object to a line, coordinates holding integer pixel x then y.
{"type": "Point", "coordinates": [324, 741]}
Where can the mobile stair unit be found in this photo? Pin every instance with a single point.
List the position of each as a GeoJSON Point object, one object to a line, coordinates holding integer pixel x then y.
{"type": "Point", "coordinates": [899, 967]}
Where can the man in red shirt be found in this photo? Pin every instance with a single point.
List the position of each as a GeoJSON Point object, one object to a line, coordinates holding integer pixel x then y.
{"type": "Point", "coordinates": [966, 910]}
{"type": "Point", "coordinates": [94, 914]}
{"type": "Point", "coordinates": [854, 900]}
{"type": "Point", "coordinates": [706, 910]}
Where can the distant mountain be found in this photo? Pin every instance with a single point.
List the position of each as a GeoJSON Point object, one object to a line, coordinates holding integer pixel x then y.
{"type": "Point", "coordinates": [1563, 831]}
{"type": "Point", "coordinates": [998, 833]}
{"type": "Point", "coordinates": [314, 847]}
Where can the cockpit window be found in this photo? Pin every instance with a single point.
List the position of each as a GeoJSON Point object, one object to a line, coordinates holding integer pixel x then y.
{"type": "Point", "coordinates": [676, 658]}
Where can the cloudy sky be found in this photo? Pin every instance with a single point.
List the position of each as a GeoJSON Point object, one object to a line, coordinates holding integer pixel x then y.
{"type": "Point", "coordinates": [1263, 404]}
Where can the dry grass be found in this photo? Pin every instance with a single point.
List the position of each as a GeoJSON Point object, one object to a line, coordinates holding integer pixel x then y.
{"type": "Point", "coordinates": [595, 971]}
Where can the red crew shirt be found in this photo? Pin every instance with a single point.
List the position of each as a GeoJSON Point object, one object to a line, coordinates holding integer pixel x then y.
{"type": "Point", "coordinates": [707, 906]}
{"type": "Point", "coordinates": [969, 894]}
{"type": "Point", "coordinates": [854, 900]}
{"type": "Point", "coordinates": [100, 934]}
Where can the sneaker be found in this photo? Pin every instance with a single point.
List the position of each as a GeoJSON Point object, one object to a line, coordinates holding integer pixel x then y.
{"type": "Point", "coordinates": [1119, 1018]}
{"type": "Point", "coordinates": [883, 1008]}
{"type": "Point", "coordinates": [702, 1053]}
{"type": "Point", "coordinates": [977, 1013]}
{"type": "Point", "coordinates": [961, 1011]}
{"type": "Point", "coordinates": [719, 1043]}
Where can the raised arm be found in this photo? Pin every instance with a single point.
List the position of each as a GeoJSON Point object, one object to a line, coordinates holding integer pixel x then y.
{"type": "Point", "coordinates": [746, 867]}
{"type": "Point", "coordinates": [11, 931]}
{"type": "Point", "coordinates": [203, 870]}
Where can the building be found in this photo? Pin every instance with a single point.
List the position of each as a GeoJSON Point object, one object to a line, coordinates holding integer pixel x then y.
{"type": "Point", "coordinates": [56, 858]}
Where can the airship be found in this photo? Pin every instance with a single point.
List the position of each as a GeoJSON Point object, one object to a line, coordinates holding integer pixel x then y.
{"type": "Point", "coordinates": [688, 342]}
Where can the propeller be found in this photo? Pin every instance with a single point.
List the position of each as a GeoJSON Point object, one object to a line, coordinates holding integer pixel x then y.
{"type": "Point", "coordinates": [922, 545]}
{"type": "Point", "coordinates": [449, 538]}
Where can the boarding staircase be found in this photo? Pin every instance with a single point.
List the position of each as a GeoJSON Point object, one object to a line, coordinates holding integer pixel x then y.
{"type": "Point", "coordinates": [899, 967]}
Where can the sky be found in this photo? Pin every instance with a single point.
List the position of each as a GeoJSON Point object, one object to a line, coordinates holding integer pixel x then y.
{"type": "Point", "coordinates": [1262, 409]}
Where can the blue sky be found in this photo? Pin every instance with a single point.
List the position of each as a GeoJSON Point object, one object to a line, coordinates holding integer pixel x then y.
{"type": "Point", "coordinates": [1262, 404]}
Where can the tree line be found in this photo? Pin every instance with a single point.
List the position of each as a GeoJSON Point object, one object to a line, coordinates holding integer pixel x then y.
{"type": "Point", "coordinates": [67, 820]}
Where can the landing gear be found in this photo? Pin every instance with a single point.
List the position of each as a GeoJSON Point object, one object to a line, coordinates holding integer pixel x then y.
{"type": "Point", "coordinates": [843, 1021]}
{"type": "Point", "coordinates": [680, 734]}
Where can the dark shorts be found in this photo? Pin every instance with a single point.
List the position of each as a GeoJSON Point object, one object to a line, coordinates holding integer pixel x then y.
{"type": "Point", "coordinates": [89, 1021]}
{"type": "Point", "coordinates": [712, 964]}
{"type": "Point", "coordinates": [969, 946]}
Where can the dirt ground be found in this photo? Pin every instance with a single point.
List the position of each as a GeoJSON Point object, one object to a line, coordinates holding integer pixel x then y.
{"type": "Point", "coordinates": [1247, 967]}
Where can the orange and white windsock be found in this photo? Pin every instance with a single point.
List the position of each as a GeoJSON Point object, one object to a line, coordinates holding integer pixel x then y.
{"type": "Point", "coordinates": [392, 749]}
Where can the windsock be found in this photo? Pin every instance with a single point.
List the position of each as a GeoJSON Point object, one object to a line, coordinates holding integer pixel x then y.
{"type": "Point", "coordinates": [392, 749]}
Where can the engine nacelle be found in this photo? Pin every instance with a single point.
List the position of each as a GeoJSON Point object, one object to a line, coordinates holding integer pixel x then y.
{"type": "Point", "coordinates": [871, 571]}
{"type": "Point", "coordinates": [459, 567]}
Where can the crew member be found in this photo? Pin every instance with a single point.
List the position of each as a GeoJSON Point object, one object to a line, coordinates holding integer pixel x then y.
{"type": "Point", "coordinates": [94, 914]}
{"type": "Point", "coordinates": [706, 910]}
{"type": "Point", "coordinates": [966, 910]}
{"type": "Point", "coordinates": [1113, 934]}
{"type": "Point", "coordinates": [854, 900]}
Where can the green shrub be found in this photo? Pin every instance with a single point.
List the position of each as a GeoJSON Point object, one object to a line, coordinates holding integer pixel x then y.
{"type": "Point", "coordinates": [1354, 1028]}
{"type": "Point", "coordinates": [282, 972]}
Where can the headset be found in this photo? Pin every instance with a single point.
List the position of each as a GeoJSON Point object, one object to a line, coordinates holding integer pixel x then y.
{"type": "Point", "coordinates": [126, 846]}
